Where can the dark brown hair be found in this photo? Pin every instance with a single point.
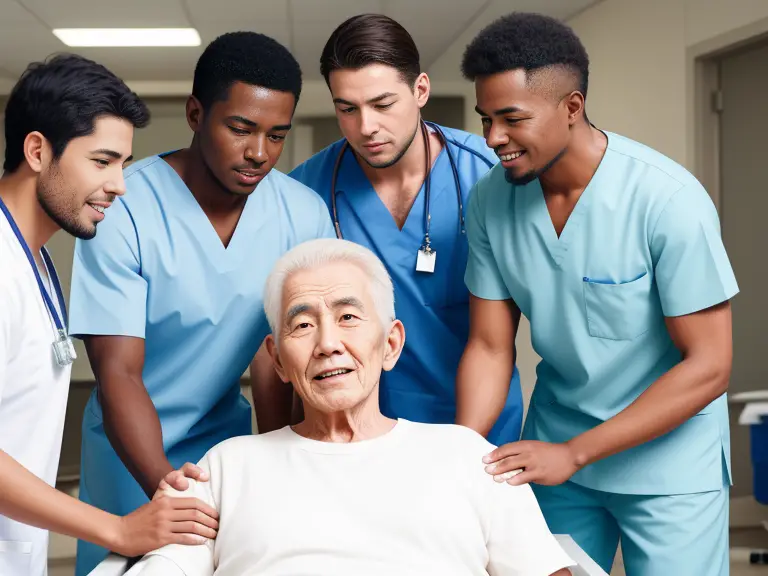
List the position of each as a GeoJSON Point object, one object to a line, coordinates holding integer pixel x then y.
{"type": "Point", "coordinates": [371, 39]}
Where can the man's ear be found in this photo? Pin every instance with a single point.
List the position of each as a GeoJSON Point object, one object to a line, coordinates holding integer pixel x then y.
{"type": "Point", "coordinates": [394, 345]}
{"type": "Point", "coordinates": [421, 89]}
{"type": "Point", "coordinates": [195, 113]}
{"type": "Point", "coordinates": [273, 353]}
{"type": "Point", "coordinates": [37, 151]}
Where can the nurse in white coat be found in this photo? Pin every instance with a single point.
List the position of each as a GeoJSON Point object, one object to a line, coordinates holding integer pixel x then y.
{"type": "Point", "coordinates": [68, 127]}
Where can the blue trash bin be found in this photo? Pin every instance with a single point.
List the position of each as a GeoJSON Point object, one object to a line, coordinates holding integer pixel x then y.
{"type": "Point", "coordinates": [759, 448]}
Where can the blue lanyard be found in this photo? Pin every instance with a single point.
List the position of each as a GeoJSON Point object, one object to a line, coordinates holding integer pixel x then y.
{"type": "Point", "coordinates": [51, 272]}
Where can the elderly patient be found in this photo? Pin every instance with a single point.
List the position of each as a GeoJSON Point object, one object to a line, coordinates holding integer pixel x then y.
{"type": "Point", "coordinates": [348, 491]}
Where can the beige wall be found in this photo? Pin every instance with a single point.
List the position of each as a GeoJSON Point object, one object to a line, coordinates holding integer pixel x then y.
{"type": "Point", "coordinates": [641, 64]}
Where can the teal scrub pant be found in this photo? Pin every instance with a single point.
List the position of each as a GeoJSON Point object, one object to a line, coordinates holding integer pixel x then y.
{"type": "Point", "coordinates": [680, 535]}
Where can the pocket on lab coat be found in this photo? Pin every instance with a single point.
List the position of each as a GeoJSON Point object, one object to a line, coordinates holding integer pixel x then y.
{"type": "Point", "coordinates": [15, 557]}
{"type": "Point", "coordinates": [618, 310]}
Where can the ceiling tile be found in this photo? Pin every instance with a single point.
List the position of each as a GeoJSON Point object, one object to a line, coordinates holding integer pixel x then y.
{"type": "Point", "coordinates": [109, 13]}
{"type": "Point", "coordinates": [313, 23]}
{"type": "Point", "coordinates": [433, 30]}
{"type": "Point", "coordinates": [215, 17]}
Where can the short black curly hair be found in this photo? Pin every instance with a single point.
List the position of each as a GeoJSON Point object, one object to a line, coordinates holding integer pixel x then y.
{"type": "Point", "coordinates": [247, 57]}
{"type": "Point", "coordinates": [529, 42]}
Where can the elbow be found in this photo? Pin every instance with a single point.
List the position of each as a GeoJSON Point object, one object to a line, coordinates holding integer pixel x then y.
{"type": "Point", "coordinates": [720, 378]}
{"type": "Point", "coordinates": [715, 376]}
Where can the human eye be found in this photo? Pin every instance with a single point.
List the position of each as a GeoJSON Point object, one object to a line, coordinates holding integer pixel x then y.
{"type": "Point", "coordinates": [238, 131]}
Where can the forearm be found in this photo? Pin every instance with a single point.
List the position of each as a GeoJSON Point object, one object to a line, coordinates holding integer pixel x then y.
{"type": "Point", "coordinates": [482, 386]}
{"type": "Point", "coordinates": [674, 398]}
{"type": "Point", "coordinates": [27, 499]}
{"type": "Point", "coordinates": [133, 428]}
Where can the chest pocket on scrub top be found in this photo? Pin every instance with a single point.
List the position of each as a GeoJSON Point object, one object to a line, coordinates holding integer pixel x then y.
{"type": "Point", "coordinates": [617, 310]}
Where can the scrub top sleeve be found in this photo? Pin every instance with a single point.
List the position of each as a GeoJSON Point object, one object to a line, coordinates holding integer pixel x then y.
{"type": "Point", "coordinates": [519, 541]}
{"type": "Point", "coordinates": [326, 229]}
{"type": "Point", "coordinates": [482, 277]}
{"type": "Point", "coordinates": [691, 267]}
{"type": "Point", "coordinates": [108, 294]}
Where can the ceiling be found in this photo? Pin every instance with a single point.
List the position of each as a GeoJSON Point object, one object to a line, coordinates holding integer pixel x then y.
{"type": "Point", "coordinates": [440, 27]}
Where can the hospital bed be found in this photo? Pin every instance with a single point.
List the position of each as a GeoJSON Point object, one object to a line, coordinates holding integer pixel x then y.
{"type": "Point", "coordinates": [118, 566]}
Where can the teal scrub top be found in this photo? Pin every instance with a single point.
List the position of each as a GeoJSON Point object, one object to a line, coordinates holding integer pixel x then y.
{"type": "Point", "coordinates": [642, 243]}
{"type": "Point", "coordinates": [434, 307]}
{"type": "Point", "coordinates": [157, 270]}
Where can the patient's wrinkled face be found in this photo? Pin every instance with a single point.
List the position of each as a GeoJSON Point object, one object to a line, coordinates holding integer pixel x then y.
{"type": "Point", "coordinates": [332, 346]}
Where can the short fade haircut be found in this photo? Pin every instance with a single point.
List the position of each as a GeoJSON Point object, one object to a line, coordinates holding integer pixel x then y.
{"type": "Point", "coordinates": [62, 98]}
{"type": "Point", "coordinates": [371, 39]}
{"type": "Point", "coordinates": [246, 57]}
{"type": "Point", "coordinates": [526, 41]}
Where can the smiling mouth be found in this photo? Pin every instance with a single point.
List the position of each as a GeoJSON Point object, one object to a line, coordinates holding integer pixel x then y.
{"type": "Point", "coordinates": [512, 156]}
{"type": "Point", "coordinates": [98, 207]}
{"type": "Point", "coordinates": [249, 173]}
{"type": "Point", "coordinates": [330, 373]}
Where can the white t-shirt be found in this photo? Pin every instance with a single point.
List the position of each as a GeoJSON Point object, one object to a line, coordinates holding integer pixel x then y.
{"type": "Point", "coordinates": [33, 396]}
{"type": "Point", "coordinates": [413, 502]}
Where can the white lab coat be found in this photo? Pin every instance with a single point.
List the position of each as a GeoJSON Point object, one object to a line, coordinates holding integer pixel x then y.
{"type": "Point", "coordinates": [33, 397]}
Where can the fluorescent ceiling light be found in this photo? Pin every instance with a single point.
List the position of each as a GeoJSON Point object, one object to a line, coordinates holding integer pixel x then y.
{"type": "Point", "coordinates": [123, 37]}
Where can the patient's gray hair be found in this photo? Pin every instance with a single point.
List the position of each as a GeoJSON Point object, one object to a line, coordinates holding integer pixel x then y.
{"type": "Point", "coordinates": [317, 253]}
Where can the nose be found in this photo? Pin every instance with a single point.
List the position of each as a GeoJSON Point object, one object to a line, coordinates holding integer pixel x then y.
{"type": "Point", "coordinates": [495, 135]}
{"type": "Point", "coordinates": [368, 123]}
{"type": "Point", "coordinates": [116, 184]}
{"type": "Point", "coordinates": [329, 340]}
{"type": "Point", "coordinates": [256, 151]}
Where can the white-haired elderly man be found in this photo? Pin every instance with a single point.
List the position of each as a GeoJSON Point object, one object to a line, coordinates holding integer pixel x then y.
{"type": "Point", "coordinates": [348, 491]}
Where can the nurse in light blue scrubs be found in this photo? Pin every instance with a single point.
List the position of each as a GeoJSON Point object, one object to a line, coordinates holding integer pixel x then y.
{"type": "Point", "coordinates": [613, 252]}
{"type": "Point", "coordinates": [168, 296]}
{"type": "Point", "coordinates": [400, 187]}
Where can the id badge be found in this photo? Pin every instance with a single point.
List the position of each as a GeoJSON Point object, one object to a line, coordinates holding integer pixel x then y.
{"type": "Point", "coordinates": [425, 260]}
{"type": "Point", "coordinates": [64, 349]}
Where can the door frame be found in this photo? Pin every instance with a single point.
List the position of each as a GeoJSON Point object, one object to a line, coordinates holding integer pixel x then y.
{"type": "Point", "coordinates": [702, 86]}
{"type": "Point", "coordinates": [703, 83]}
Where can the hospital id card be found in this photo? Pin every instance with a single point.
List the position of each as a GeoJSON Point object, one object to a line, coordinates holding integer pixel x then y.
{"type": "Point", "coordinates": [425, 261]}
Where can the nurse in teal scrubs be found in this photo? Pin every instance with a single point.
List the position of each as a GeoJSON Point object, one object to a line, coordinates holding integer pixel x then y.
{"type": "Point", "coordinates": [614, 254]}
{"type": "Point", "coordinates": [398, 186]}
{"type": "Point", "coordinates": [168, 296]}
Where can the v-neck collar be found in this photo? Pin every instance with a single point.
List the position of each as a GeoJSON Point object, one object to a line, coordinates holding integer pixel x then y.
{"type": "Point", "coordinates": [558, 245]}
{"type": "Point", "coordinates": [356, 186]}
{"type": "Point", "coordinates": [221, 256]}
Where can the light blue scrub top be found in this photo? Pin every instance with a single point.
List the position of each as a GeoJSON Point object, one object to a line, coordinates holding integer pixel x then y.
{"type": "Point", "coordinates": [434, 308]}
{"type": "Point", "coordinates": [642, 243]}
{"type": "Point", "coordinates": [157, 270]}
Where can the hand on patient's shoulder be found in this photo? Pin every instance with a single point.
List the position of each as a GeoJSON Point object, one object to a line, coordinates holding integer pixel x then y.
{"type": "Point", "coordinates": [178, 478]}
{"type": "Point", "coordinates": [166, 520]}
{"type": "Point", "coordinates": [523, 462]}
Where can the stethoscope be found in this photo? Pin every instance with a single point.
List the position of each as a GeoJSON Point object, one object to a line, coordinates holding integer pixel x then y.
{"type": "Point", "coordinates": [426, 247]}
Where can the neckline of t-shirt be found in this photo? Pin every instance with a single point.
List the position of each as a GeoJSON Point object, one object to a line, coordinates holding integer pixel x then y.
{"type": "Point", "coordinates": [320, 447]}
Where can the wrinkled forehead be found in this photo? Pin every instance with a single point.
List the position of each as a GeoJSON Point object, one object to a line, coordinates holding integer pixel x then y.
{"type": "Point", "coordinates": [325, 287]}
